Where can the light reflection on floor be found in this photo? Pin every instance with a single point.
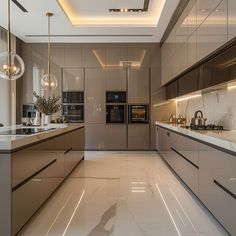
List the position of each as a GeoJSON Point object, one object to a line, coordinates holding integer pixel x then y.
{"type": "Point", "coordinates": [123, 194]}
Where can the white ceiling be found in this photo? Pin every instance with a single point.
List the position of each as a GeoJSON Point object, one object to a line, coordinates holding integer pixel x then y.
{"type": "Point", "coordinates": [89, 21]}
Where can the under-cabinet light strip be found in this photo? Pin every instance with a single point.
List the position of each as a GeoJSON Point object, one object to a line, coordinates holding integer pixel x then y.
{"type": "Point", "coordinates": [187, 98]}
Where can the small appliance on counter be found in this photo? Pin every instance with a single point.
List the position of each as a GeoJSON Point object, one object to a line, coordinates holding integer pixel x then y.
{"type": "Point", "coordinates": [73, 106]}
{"type": "Point", "coordinates": [139, 113]}
{"type": "Point", "coordinates": [198, 119]}
{"type": "Point", "coordinates": [115, 107]}
{"type": "Point", "coordinates": [174, 120]}
{"type": "Point", "coordinates": [29, 111]}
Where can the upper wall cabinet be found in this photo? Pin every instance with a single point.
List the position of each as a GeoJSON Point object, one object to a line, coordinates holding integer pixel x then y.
{"type": "Point", "coordinates": [205, 8]}
{"type": "Point", "coordinates": [220, 69]}
{"type": "Point", "coordinates": [94, 58]}
{"type": "Point", "coordinates": [231, 19]}
{"type": "Point", "coordinates": [192, 16]}
{"type": "Point", "coordinates": [189, 82]}
{"type": "Point", "coordinates": [73, 56]}
{"type": "Point", "coordinates": [95, 96]}
{"type": "Point", "coordinates": [73, 79]}
{"type": "Point", "coordinates": [138, 57]}
{"type": "Point", "coordinates": [212, 33]}
{"type": "Point", "coordinates": [116, 79]}
{"type": "Point", "coordinates": [115, 56]}
{"type": "Point", "coordinates": [138, 86]}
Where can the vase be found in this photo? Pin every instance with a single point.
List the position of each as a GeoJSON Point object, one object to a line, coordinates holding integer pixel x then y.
{"type": "Point", "coordinates": [37, 120]}
{"type": "Point", "coordinates": [48, 119]}
{"type": "Point", "coordinates": [42, 119]}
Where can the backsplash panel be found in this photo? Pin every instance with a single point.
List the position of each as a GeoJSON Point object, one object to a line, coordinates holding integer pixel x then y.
{"type": "Point", "coordinates": [219, 107]}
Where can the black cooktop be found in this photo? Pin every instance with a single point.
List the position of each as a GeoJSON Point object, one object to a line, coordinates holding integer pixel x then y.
{"type": "Point", "coordinates": [24, 131]}
{"type": "Point", "coordinates": [205, 127]}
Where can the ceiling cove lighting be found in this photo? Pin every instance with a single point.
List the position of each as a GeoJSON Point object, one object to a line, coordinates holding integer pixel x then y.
{"type": "Point", "coordinates": [49, 81]}
{"type": "Point", "coordinates": [188, 97]}
{"type": "Point", "coordinates": [12, 66]}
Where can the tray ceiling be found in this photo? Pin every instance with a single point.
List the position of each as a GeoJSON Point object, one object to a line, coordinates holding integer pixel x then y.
{"type": "Point", "coordinates": [89, 21]}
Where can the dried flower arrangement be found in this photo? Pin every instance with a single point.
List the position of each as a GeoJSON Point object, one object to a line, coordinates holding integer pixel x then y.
{"type": "Point", "coordinates": [49, 105]}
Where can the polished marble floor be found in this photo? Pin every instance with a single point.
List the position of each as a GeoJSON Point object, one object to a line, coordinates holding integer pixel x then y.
{"type": "Point", "coordinates": [122, 194]}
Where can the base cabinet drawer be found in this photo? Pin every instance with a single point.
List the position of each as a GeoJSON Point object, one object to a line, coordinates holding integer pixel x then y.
{"type": "Point", "coordinates": [72, 158]}
{"type": "Point", "coordinates": [217, 184]}
{"type": "Point", "coordinates": [31, 195]}
{"type": "Point", "coordinates": [186, 170]}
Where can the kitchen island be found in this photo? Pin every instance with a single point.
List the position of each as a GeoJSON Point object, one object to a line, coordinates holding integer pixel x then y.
{"type": "Point", "coordinates": [206, 162]}
{"type": "Point", "coordinates": [32, 167]}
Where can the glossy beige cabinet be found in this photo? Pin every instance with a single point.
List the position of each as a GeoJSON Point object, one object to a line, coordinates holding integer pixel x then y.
{"type": "Point", "coordinates": [116, 79]}
{"type": "Point", "coordinates": [27, 199]}
{"type": "Point", "coordinates": [138, 86]}
{"type": "Point", "coordinates": [208, 172]}
{"type": "Point", "coordinates": [231, 19]}
{"type": "Point", "coordinates": [95, 136]}
{"type": "Point", "coordinates": [73, 79]}
{"type": "Point", "coordinates": [73, 56]}
{"type": "Point", "coordinates": [94, 57]}
{"type": "Point", "coordinates": [217, 184]}
{"type": "Point", "coordinates": [205, 8]}
{"type": "Point", "coordinates": [212, 33]}
{"type": "Point", "coordinates": [138, 137]}
{"type": "Point", "coordinates": [181, 154]}
{"type": "Point", "coordinates": [38, 170]}
{"type": "Point", "coordinates": [209, 25]}
{"type": "Point", "coordinates": [115, 137]}
{"type": "Point", "coordinates": [95, 96]}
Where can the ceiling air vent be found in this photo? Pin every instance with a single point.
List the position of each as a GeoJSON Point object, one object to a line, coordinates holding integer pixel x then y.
{"type": "Point", "coordinates": [19, 6]}
{"type": "Point", "coordinates": [88, 35]}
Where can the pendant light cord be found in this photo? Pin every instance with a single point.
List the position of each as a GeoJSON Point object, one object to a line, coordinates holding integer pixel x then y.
{"type": "Point", "coordinates": [9, 28]}
{"type": "Point", "coordinates": [49, 15]}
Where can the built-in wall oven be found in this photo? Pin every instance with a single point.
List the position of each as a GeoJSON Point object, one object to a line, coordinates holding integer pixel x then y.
{"type": "Point", "coordinates": [115, 107]}
{"type": "Point", "coordinates": [73, 106]}
{"type": "Point", "coordinates": [138, 113]}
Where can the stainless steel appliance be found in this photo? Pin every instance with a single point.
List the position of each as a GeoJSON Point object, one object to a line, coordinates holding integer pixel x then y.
{"type": "Point", "coordinates": [115, 114]}
{"type": "Point", "coordinates": [73, 97]}
{"type": "Point", "coordinates": [73, 106]}
{"type": "Point", "coordinates": [198, 119]}
{"type": "Point", "coordinates": [139, 113]}
{"type": "Point", "coordinates": [116, 107]}
{"type": "Point", "coordinates": [115, 97]}
{"type": "Point", "coordinates": [74, 112]}
{"type": "Point", "coordinates": [29, 111]}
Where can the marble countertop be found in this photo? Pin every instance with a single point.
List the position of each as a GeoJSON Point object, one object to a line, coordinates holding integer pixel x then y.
{"type": "Point", "coordinates": [225, 139]}
{"type": "Point", "coordinates": [11, 142]}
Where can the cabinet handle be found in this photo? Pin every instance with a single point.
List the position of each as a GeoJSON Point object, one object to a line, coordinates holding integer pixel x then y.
{"type": "Point", "coordinates": [185, 158]}
{"type": "Point", "coordinates": [157, 129]}
{"type": "Point", "coordinates": [225, 189]}
{"type": "Point", "coordinates": [33, 175]}
{"type": "Point", "coordinates": [70, 149]}
{"type": "Point", "coordinates": [168, 134]}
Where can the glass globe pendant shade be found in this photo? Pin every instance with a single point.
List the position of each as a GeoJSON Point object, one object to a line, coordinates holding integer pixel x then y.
{"type": "Point", "coordinates": [12, 66]}
{"type": "Point", "coordinates": [49, 82]}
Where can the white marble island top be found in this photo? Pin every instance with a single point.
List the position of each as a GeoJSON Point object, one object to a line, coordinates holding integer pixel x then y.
{"type": "Point", "coordinates": [225, 139]}
{"type": "Point", "coordinates": [12, 142]}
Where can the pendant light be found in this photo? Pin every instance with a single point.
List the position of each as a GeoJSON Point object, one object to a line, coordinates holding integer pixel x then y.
{"type": "Point", "coordinates": [49, 81]}
{"type": "Point", "coordinates": [12, 66]}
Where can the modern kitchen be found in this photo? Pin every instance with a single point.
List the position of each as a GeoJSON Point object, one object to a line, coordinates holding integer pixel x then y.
{"type": "Point", "coordinates": [118, 118]}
